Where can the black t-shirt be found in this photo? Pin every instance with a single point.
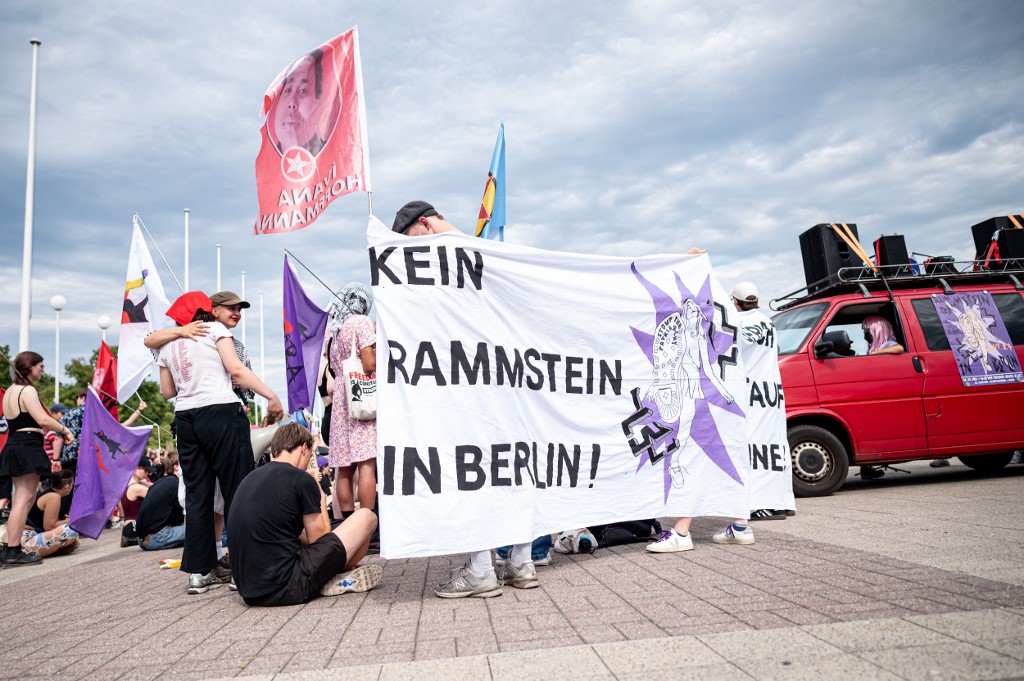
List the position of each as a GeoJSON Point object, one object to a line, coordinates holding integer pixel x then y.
{"type": "Point", "coordinates": [265, 524]}
{"type": "Point", "coordinates": [160, 507]}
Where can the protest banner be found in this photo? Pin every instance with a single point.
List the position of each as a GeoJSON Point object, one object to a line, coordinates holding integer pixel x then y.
{"type": "Point", "coordinates": [771, 474]}
{"type": "Point", "coordinates": [315, 145]}
{"type": "Point", "coordinates": [523, 391]}
{"type": "Point", "coordinates": [979, 340]}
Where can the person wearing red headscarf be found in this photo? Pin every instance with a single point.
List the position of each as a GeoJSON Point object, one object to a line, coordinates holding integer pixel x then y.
{"type": "Point", "coordinates": [213, 431]}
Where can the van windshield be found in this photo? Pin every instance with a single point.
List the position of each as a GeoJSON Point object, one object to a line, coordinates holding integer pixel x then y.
{"type": "Point", "coordinates": [792, 326]}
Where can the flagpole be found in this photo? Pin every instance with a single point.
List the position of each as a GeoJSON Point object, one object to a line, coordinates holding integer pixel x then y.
{"type": "Point", "coordinates": [313, 273]}
{"type": "Point", "coordinates": [263, 357]}
{"type": "Point", "coordinates": [186, 250]}
{"type": "Point", "coordinates": [369, 203]}
{"type": "Point", "coordinates": [243, 316]}
{"type": "Point", "coordinates": [30, 188]}
{"type": "Point", "coordinates": [136, 221]}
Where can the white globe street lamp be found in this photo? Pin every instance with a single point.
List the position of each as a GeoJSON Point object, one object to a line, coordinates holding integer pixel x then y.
{"type": "Point", "coordinates": [104, 322]}
{"type": "Point", "coordinates": [57, 303]}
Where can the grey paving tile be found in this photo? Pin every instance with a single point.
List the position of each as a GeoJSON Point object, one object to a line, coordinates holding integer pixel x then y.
{"type": "Point", "coordinates": [816, 667]}
{"type": "Point", "coordinates": [580, 662]}
{"type": "Point", "coordinates": [716, 672]}
{"type": "Point", "coordinates": [876, 634]}
{"type": "Point", "coordinates": [671, 653]}
{"type": "Point", "coordinates": [975, 626]}
{"type": "Point", "coordinates": [771, 644]}
{"type": "Point", "coordinates": [439, 670]}
{"type": "Point", "coordinates": [945, 661]}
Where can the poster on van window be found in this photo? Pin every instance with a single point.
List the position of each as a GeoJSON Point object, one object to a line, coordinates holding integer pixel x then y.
{"type": "Point", "coordinates": [979, 340]}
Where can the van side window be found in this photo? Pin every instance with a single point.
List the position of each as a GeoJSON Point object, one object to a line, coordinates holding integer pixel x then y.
{"type": "Point", "coordinates": [934, 336]}
{"type": "Point", "coordinates": [1010, 306]}
{"type": "Point", "coordinates": [1011, 309]}
{"type": "Point", "coordinates": [848, 320]}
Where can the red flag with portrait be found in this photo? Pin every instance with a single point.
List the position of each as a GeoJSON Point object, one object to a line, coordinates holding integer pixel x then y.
{"type": "Point", "coordinates": [315, 145]}
{"type": "Point", "coordinates": [104, 379]}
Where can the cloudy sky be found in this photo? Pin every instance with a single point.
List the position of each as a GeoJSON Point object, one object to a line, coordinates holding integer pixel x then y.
{"type": "Point", "coordinates": [632, 128]}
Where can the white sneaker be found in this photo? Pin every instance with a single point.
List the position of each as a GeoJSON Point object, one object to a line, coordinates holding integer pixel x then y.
{"type": "Point", "coordinates": [546, 560]}
{"type": "Point", "coordinates": [363, 578]}
{"type": "Point", "coordinates": [671, 541]}
{"type": "Point", "coordinates": [200, 583]}
{"type": "Point", "coordinates": [730, 536]}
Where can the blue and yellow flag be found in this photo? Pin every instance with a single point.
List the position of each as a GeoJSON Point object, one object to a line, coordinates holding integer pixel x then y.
{"type": "Point", "coordinates": [492, 209]}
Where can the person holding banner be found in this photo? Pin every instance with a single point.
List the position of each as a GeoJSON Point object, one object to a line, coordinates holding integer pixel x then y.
{"type": "Point", "coordinates": [213, 431]}
{"type": "Point", "coordinates": [23, 459]}
{"type": "Point", "coordinates": [771, 488]}
{"type": "Point", "coordinates": [478, 577]}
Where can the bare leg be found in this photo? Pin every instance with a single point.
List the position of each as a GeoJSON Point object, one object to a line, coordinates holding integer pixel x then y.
{"type": "Point", "coordinates": [21, 501]}
{"type": "Point", "coordinates": [343, 499]}
{"type": "Point", "coordinates": [355, 534]}
{"type": "Point", "coordinates": [682, 525]}
{"type": "Point", "coordinates": [367, 486]}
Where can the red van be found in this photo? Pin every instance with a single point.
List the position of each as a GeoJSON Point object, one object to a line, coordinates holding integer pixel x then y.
{"type": "Point", "coordinates": [844, 407]}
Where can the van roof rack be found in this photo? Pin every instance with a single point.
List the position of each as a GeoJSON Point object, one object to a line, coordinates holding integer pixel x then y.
{"type": "Point", "coordinates": [890, 277]}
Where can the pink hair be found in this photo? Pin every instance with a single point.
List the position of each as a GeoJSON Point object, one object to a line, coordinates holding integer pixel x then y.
{"type": "Point", "coordinates": [880, 330]}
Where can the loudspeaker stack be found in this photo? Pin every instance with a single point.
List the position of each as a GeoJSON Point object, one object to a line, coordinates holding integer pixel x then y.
{"type": "Point", "coordinates": [824, 254]}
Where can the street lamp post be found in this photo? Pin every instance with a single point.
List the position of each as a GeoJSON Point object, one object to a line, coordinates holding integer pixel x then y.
{"type": "Point", "coordinates": [57, 303]}
{"type": "Point", "coordinates": [104, 322]}
{"type": "Point", "coordinates": [30, 184]}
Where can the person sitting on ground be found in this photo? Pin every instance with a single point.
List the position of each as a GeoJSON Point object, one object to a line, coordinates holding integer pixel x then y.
{"type": "Point", "coordinates": [50, 531]}
{"type": "Point", "coordinates": [283, 551]}
{"type": "Point", "coordinates": [131, 501]}
{"type": "Point", "coordinates": [161, 521]}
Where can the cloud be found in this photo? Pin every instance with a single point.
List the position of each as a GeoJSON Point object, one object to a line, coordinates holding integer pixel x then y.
{"type": "Point", "coordinates": [636, 128]}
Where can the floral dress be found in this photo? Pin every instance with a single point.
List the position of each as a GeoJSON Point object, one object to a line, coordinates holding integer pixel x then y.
{"type": "Point", "coordinates": [351, 440]}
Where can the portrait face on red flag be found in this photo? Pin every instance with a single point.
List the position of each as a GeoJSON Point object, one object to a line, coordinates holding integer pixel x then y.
{"type": "Point", "coordinates": [306, 109]}
{"type": "Point", "coordinates": [314, 137]}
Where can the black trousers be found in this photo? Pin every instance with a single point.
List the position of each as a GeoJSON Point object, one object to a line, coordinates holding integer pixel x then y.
{"type": "Point", "coordinates": [213, 444]}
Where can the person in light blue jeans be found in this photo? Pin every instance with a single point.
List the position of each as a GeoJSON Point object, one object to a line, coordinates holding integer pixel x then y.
{"type": "Point", "coordinates": [161, 520]}
{"type": "Point", "coordinates": [540, 552]}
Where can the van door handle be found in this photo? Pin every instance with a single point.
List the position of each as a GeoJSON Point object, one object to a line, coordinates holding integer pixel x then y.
{"type": "Point", "coordinates": [918, 365]}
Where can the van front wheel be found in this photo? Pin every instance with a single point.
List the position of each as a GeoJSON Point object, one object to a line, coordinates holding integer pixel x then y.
{"type": "Point", "coordinates": [820, 463]}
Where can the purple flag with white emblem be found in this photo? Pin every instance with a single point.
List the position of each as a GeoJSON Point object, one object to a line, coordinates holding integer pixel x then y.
{"type": "Point", "coordinates": [107, 457]}
{"type": "Point", "coordinates": [304, 326]}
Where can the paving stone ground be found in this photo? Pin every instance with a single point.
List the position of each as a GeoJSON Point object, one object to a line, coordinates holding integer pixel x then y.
{"type": "Point", "coordinates": [788, 605]}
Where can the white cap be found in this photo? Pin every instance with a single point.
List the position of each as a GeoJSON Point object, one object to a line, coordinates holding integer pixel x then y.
{"type": "Point", "coordinates": [745, 292]}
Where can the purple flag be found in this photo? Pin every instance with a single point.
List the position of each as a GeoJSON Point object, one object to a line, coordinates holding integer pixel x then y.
{"type": "Point", "coordinates": [304, 326]}
{"type": "Point", "coordinates": [108, 454]}
{"type": "Point", "coordinates": [978, 338]}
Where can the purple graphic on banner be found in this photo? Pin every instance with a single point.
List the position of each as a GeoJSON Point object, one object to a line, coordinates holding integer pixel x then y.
{"type": "Point", "coordinates": [108, 454]}
{"type": "Point", "coordinates": [685, 351]}
{"type": "Point", "coordinates": [304, 326]}
{"type": "Point", "coordinates": [978, 338]}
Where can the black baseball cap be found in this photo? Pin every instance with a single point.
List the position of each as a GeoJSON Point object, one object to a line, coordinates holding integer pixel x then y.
{"type": "Point", "coordinates": [409, 214]}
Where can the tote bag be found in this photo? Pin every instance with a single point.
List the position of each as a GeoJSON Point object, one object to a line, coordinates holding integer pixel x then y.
{"type": "Point", "coordinates": [360, 388]}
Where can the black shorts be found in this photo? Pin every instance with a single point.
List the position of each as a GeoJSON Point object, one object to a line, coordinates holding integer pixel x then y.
{"type": "Point", "coordinates": [317, 564]}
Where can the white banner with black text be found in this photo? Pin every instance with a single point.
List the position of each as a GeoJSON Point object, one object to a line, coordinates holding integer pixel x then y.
{"type": "Point", "coordinates": [523, 391]}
